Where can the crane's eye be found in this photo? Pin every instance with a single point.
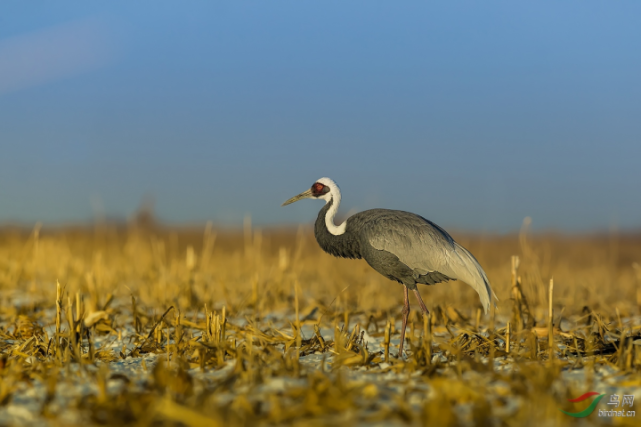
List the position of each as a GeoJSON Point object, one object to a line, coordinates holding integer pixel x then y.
{"type": "Point", "coordinates": [319, 189]}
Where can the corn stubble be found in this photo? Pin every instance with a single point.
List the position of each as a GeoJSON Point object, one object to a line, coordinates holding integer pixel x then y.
{"type": "Point", "coordinates": [262, 328]}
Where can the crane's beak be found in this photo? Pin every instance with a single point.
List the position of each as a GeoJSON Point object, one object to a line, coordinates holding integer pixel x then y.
{"type": "Point", "coordinates": [304, 195]}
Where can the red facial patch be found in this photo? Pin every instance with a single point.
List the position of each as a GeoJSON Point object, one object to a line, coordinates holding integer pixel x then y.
{"type": "Point", "coordinates": [317, 189]}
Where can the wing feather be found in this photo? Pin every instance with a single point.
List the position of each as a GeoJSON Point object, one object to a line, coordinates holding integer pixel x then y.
{"type": "Point", "coordinates": [425, 247]}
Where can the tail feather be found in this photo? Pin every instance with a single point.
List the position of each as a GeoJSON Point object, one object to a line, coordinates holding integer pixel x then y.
{"type": "Point", "coordinates": [472, 273]}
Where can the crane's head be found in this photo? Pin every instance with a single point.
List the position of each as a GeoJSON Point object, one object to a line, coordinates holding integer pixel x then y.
{"type": "Point", "coordinates": [324, 189]}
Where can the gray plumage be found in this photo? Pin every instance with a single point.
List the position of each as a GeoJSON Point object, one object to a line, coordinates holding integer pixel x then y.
{"type": "Point", "coordinates": [404, 247]}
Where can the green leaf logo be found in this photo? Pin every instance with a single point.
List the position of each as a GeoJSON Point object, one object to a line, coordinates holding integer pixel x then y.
{"type": "Point", "coordinates": [587, 411]}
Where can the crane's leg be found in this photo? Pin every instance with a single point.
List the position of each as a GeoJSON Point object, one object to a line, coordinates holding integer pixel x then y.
{"type": "Point", "coordinates": [406, 315]}
{"type": "Point", "coordinates": [420, 302]}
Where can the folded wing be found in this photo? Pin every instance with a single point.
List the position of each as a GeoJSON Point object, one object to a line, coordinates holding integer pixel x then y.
{"type": "Point", "coordinates": [425, 247]}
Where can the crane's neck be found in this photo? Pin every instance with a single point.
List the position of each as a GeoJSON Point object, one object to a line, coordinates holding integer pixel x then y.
{"type": "Point", "coordinates": [344, 244]}
{"type": "Point", "coordinates": [334, 202]}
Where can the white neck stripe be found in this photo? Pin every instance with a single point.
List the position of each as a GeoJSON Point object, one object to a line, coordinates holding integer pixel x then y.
{"type": "Point", "coordinates": [334, 195]}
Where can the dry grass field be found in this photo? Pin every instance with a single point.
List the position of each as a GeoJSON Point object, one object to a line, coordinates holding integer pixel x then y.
{"type": "Point", "coordinates": [147, 325]}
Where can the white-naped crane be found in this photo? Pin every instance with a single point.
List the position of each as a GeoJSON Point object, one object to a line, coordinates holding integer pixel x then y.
{"type": "Point", "coordinates": [402, 246]}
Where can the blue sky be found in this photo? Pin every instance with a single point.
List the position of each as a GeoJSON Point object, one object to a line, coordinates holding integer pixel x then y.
{"type": "Point", "coordinates": [472, 114]}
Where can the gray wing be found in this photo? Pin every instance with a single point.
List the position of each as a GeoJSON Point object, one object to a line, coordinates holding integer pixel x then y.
{"type": "Point", "coordinates": [425, 248]}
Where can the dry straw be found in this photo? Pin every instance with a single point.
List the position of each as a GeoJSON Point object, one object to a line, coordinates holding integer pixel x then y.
{"type": "Point", "coordinates": [266, 329]}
